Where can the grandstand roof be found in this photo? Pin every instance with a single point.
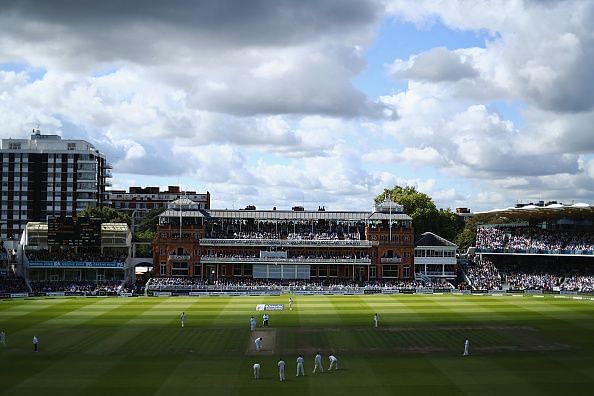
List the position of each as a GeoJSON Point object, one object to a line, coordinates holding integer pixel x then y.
{"type": "Point", "coordinates": [305, 215]}
{"type": "Point", "coordinates": [577, 210]}
{"type": "Point", "coordinates": [286, 215]}
{"type": "Point", "coordinates": [431, 239]}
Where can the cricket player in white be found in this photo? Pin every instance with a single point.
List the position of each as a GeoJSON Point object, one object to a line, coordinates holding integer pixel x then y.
{"type": "Point", "coordinates": [318, 364]}
{"type": "Point", "coordinates": [265, 318]}
{"type": "Point", "coordinates": [3, 337]}
{"type": "Point", "coordinates": [183, 319]}
{"type": "Point", "coordinates": [252, 324]}
{"type": "Point", "coordinates": [290, 304]}
{"type": "Point", "coordinates": [258, 343]}
{"type": "Point", "coordinates": [281, 369]}
{"type": "Point", "coordinates": [35, 342]}
{"type": "Point", "coordinates": [376, 320]}
{"type": "Point", "coordinates": [466, 345]}
{"type": "Point", "coordinates": [333, 362]}
{"type": "Point", "coordinates": [256, 370]}
{"type": "Point", "coordinates": [300, 366]}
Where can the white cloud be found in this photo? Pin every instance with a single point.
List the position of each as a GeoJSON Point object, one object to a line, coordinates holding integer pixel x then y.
{"type": "Point", "coordinates": [437, 64]}
{"type": "Point", "coordinates": [257, 102]}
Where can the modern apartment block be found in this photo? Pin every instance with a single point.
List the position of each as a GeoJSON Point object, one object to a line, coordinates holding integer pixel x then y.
{"type": "Point", "coordinates": [138, 201]}
{"type": "Point", "coordinates": [48, 176]}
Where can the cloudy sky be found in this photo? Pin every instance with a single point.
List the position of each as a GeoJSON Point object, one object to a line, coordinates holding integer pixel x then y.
{"type": "Point", "coordinates": [276, 103]}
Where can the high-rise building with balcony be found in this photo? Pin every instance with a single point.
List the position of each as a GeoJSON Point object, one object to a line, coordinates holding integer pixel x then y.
{"type": "Point", "coordinates": [48, 176]}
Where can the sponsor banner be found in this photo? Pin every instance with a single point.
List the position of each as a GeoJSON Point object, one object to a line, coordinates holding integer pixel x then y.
{"type": "Point", "coordinates": [161, 294]}
{"type": "Point", "coordinates": [391, 291]}
{"type": "Point", "coordinates": [4, 295]}
{"type": "Point", "coordinates": [496, 292]}
{"type": "Point", "coordinates": [56, 294]}
{"type": "Point", "coordinates": [406, 291]}
{"type": "Point", "coordinates": [233, 293]}
{"type": "Point", "coordinates": [442, 290]}
{"type": "Point", "coordinates": [568, 293]}
{"type": "Point", "coordinates": [15, 295]}
{"type": "Point", "coordinates": [533, 292]}
{"type": "Point", "coordinates": [270, 307]}
{"type": "Point", "coordinates": [372, 291]}
{"type": "Point", "coordinates": [425, 290]}
{"type": "Point", "coordinates": [75, 264]}
{"type": "Point", "coordinates": [125, 294]}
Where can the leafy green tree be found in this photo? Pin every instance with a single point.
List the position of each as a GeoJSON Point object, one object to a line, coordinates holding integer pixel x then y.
{"type": "Point", "coordinates": [106, 214]}
{"type": "Point", "coordinates": [147, 229]}
{"type": "Point", "coordinates": [422, 209]}
{"type": "Point", "coordinates": [150, 221]}
{"type": "Point", "coordinates": [466, 238]}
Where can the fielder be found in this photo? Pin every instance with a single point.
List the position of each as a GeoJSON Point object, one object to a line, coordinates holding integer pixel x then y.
{"type": "Point", "coordinates": [258, 342]}
{"type": "Point", "coordinates": [318, 364]}
{"type": "Point", "coordinates": [183, 319]}
{"type": "Point", "coordinates": [252, 324]}
{"type": "Point", "coordinates": [333, 362]}
{"type": "Point", "coordinates": [300, 366]}
{"type": "Point", "coordinates": [35, 342]}
{"type": "Point", "coordinates": [256, 370]}
{"type": "Point", "coordinates": [281, 369]}
{"type": "Point", "coordinates": [466, 345]}
{"type": "Point", "coordinates": [290, 304]}
{"type": "Point", "coordinates": [376, 320]}
{"type": "Point", "coordinates": [3, 337]}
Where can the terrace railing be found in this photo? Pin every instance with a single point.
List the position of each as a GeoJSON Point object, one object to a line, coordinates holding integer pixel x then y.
{"type": "Point", "coordinates": [274, 260]}
{"type": "Point", "coordinates": [285, 242]}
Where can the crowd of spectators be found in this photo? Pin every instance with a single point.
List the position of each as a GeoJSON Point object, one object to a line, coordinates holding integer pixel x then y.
{"type": "Point", "coordinates": [526, 281]}
{"type": "Point", "coordinates": [256, 235]}
{"type": "Point", "coordinates": [332, 236]}
{"type": "Point", "coordinates": [326, 256]}
{"type": "Point", "coordinates": [75, 255]}
{"type": "Point", "coordinates": [286, 230]}
{"type": "Point", "coordinates": [534, 240]}
{"type": "Point", "coordinates": [86, 287]}
{"type": "Point", "coordinates": [13, 285]}
{"type": "Point", "coordinates": [482, 274]}
{"type": "Point", "coordinates": [550, 282]}
{"type": "Point", "coordinates": [578, 283]}
{"type": "Point", "coordinates": [173, 283]}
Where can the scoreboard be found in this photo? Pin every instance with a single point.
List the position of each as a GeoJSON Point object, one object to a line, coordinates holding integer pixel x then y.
{"type": "Point", "coordinates": [74, 231]}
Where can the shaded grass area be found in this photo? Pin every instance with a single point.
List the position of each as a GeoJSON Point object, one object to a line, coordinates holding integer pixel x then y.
{"type": "Point", "coordinates": [136, 346]}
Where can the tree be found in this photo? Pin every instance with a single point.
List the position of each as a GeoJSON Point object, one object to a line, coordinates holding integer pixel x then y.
{"type": "Point", "coordinates": [422, 209]}
{"type": "Point", "coordinates": [150, 221]}
{"type": "Point", "coordinates": [106, 214]}
{"type": "Point", "coordinates": [147, 229]}
{"type": "Point", "coordinates": [466, 238]}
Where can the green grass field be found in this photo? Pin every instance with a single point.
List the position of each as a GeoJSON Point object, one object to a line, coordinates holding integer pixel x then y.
{"type": "Point", "coordinates": [117, 346]}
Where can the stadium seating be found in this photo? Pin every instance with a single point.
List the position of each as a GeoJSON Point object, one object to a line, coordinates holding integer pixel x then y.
{"type": "Point", "coordinates": [483, 275]}
{"type": "Point", "coordinates": [534, 240]}
{"type": "Point", "coordinates": [13, 285]}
